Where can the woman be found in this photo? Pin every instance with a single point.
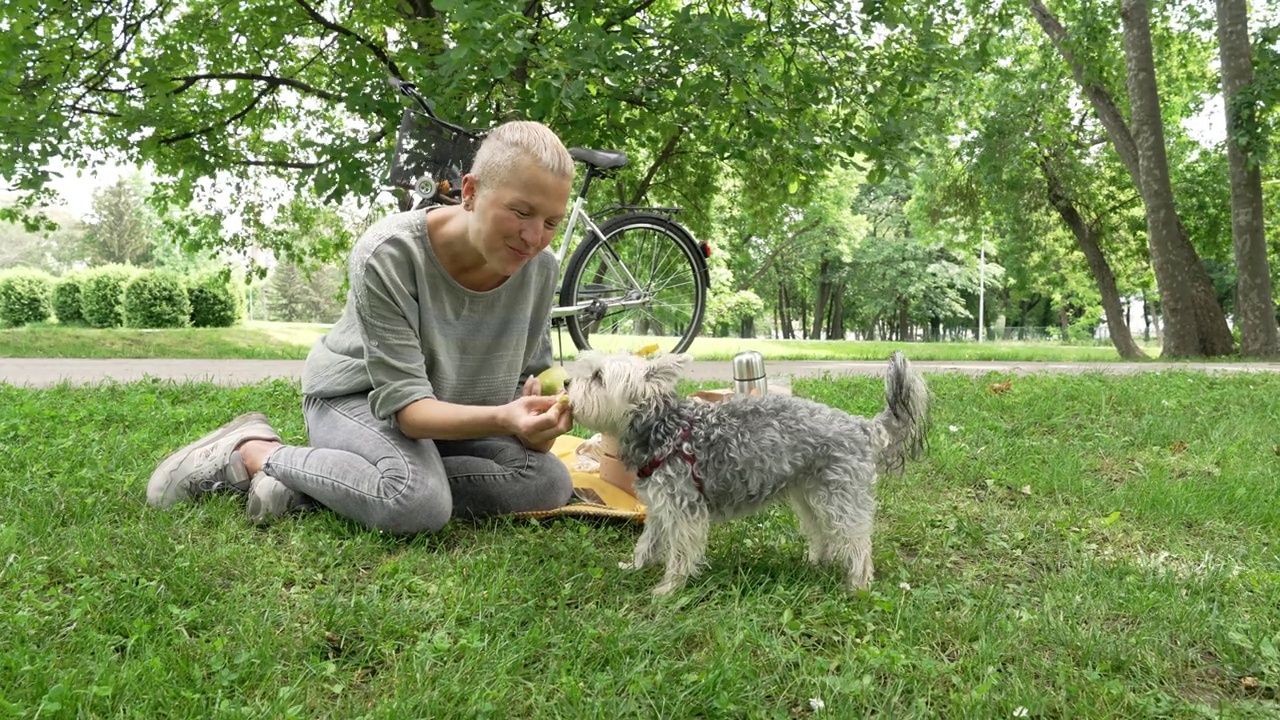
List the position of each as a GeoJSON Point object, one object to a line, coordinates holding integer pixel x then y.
{"type": "Point", "coordinates": [422, 402]}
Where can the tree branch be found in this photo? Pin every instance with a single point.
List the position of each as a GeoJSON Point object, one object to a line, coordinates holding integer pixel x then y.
{"type": "Point", "coordinates": [777, 252]}
{"type": "Point", "coordinates": [298, 165]}
{"type": "Point", "coordinates": [1103, 104]}
{"type": "Point", "coordinates": [92, 111]}
{"type": "Point", "coordinates": [289, 164]}
{"type": "Point", "coordinates": [1127, 201]}
{"type": "Point", "coordinates": [626, 15]}
{"type": "Point", "coordinates": [377, 51]}
{"type": "Point", "coordinates": [210, 128]}
{"type": "Point", "coordinates": [272, 81]}
{"type": "Point", "coordinates": [668, 151]}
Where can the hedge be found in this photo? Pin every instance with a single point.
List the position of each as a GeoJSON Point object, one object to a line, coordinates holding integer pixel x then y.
{"type": "Point", "coordinates": [26, 296]}
{"type": "Point", "coordinates": [156, 299]}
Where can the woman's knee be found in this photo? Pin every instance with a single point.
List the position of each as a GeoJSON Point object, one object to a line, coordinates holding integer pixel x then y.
{"type": "Point", "coordinates": [415, 498]}
{"type": "Point", "coordinates": [416, 511]}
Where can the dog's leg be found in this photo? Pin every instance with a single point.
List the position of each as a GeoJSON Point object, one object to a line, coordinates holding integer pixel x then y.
{"type": "Point", "coordinates": [810, 527]}
{"type": "Point", "coordinates": [849, 514]}
{"type": "Point", "coordinates": [685, 554]}
{"type": "Point", "coordinates": [650, 541]}
{"type": "Point", "coordinates": [685, 524]}
{"type": "Point", "coordinates": [857, 558]}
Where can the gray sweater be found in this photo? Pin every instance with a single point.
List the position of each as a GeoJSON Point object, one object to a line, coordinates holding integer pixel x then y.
{"type": "Point", "coordinates": [410, 331]}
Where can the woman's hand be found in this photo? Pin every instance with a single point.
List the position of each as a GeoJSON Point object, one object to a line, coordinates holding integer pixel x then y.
{"type": "Point", "coordinates": [537, 420]}
{"type": "Point", "coordinates": [532, 386]}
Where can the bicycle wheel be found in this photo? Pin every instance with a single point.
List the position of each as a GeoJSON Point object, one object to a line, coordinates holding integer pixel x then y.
{"type": "Point", "coordinates": [651, 277]}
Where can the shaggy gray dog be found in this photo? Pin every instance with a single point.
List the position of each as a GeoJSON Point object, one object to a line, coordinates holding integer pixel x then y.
{"type": "Point", "coordinates": [703, 462]}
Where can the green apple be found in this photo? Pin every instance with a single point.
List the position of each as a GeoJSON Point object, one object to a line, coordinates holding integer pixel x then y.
{"type": "Point", "coordinates": [552, 379]}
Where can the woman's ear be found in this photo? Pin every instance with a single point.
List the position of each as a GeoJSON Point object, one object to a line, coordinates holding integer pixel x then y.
{"type": "Point", "coordinates": [469, 191]}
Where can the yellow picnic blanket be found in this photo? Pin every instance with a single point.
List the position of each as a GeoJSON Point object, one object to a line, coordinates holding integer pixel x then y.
{"type": "Point", "coordinates": [592, 496]}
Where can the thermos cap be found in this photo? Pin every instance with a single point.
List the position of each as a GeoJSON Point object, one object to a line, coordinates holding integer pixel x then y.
{"type": "Point", "coordinates": [748, 365]}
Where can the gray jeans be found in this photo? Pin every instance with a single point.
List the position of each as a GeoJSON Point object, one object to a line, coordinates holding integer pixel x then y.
{"type": "Point", "coordinates": [367, 470]}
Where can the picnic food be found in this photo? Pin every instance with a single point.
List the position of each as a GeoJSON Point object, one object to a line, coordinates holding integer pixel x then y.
{"type": "Point", "coordinates": [552, 379]}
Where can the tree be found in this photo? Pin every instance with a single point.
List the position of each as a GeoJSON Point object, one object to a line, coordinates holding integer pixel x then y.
{"type": "Point", "coordinates": [120, 228]}
{"type": "Point", "coordinates": [242, 93]}
{"type": "Point", "coordinates": [47, 249]}
{"type": "Point", "coordinates": [1255, 305]}
{"type": "Point", "coordinates": [1193, 319]}
{"type": "Point", "coordinates": [298, 295]}
{"type": "Point", "coordinates": [1087, 235]}
{"type": "Point", "coordinates": [1024, 153]}
{"type": "Point", "coordinates": [1194, 323]}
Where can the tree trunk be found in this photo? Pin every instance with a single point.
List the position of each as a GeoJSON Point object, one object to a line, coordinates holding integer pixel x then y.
{"type": "Point", "coordinates": [747, 327]}
{"type": "Point", "coordinates": [784, 308]}
{"type": "Point", "coordinates": [1146, 317]}
{"type": "Point", "coordinates": [835, 330]}
{"type": "Point", "coordinates": [1193, 320]}
{"type": "Point", "coordinates": [820, 303]}
{"type": "Point", "coordinates": [904, 320]}
{"type": "Point", "coordinates": [1178, 269]}
{"type": "Point", "coordinates": [1087, 239]}
{"type": "Point", "coordinates": [1255, 305]}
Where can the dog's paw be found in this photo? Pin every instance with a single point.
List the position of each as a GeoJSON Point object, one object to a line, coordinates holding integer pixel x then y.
{"type": "Point", "coordinates": [668, 587]}
{"type": "Point", "coordinates": [625, 565]}
{"type": "Point", "coordinates": [859, 580]}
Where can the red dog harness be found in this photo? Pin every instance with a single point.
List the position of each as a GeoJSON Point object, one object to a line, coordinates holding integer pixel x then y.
{"type": "Point", "coordinates": [683, 447]}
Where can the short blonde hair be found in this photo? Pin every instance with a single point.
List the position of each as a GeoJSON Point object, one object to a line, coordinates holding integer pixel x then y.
{"type": "Point", "coordinates": [519, 141]}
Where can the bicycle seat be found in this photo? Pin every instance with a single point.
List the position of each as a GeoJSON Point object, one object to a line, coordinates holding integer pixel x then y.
{"type": "Point", "coordinates": [600, 159]}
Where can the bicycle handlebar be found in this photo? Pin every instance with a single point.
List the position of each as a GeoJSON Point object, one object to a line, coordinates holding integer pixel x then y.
{"type": "Point", "coordinates": [411, 90]}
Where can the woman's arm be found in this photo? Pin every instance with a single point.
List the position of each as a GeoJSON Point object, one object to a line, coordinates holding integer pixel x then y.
{"type": "Point", "coordinates": [535, 419]}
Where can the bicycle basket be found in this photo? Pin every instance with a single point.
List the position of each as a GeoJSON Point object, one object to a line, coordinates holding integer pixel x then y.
{"type": "Point", "coordinates": [426, 150]}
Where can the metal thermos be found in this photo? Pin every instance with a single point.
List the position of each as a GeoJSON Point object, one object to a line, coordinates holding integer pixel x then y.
{"type": "Point", "coordinates": [749, 377]}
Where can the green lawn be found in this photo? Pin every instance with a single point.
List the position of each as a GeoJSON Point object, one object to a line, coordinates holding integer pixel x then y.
{"type": "Point", "coordinates": [253, 340]}
{"type": "Point", "coordinates": [291, 341]}
{"type": "Point", "coordinates": [1074, 547]}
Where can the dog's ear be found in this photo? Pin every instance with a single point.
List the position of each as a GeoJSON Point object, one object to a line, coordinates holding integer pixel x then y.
{"type": "Point", "coordinates": [665, 370]}
{"type": "Point", "coordinates": [589, 359]}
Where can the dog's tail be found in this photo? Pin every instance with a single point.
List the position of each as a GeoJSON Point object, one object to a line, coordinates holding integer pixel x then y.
{"type": "Point", "coordinates": [905, 419]}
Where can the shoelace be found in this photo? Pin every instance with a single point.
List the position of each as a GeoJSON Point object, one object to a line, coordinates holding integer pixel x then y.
{"type": "Point", "coordinates": [213, 480]}
{"type": "Point", "coordinates": [209, 485]}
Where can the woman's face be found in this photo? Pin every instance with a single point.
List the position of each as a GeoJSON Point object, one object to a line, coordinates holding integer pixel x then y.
{"type": "Point", "coordinates": [518, 218]}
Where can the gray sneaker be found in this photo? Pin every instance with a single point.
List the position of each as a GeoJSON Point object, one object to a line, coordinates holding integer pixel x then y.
{"type": "Point", "coordinates": [209, 465]}
{"type": "Point", "coordinates": [269, 499]}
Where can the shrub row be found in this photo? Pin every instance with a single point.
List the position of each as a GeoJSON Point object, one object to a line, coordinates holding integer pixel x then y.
{"type": "Point", "coordinates": [118, 296]}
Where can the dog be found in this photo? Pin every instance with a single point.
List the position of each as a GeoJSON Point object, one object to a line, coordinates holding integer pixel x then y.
{"type": "Point", "coordinates": [703, 462]}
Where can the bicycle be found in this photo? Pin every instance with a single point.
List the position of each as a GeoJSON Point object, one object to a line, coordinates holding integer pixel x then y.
{"type": "Point", "coordinates": [603, 291]}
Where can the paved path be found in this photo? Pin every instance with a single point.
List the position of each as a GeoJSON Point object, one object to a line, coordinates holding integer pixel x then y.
{"type": "Point", "coordinates": [43, 372]}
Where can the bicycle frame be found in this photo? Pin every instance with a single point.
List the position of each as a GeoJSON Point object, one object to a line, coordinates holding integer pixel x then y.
{"type": "Point", "coordinates": [577, 214]}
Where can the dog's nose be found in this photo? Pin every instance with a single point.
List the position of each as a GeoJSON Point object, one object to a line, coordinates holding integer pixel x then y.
{"type": "Point", "coordinates": [566, 383]}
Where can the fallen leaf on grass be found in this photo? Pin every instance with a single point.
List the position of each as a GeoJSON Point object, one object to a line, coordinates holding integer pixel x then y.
{"type": "Point", "coordinates": [1178, 446]}
{"type": "Point", "coordinates": [998, 388]}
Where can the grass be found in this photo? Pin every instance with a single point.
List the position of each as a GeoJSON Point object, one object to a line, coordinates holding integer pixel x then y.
{"type": "Point", "coordinates": [255, 340]}
{"type": "Point", "coordinates": [1073, 547]}
{"type": "Point", "coordinates": [291, 341]}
